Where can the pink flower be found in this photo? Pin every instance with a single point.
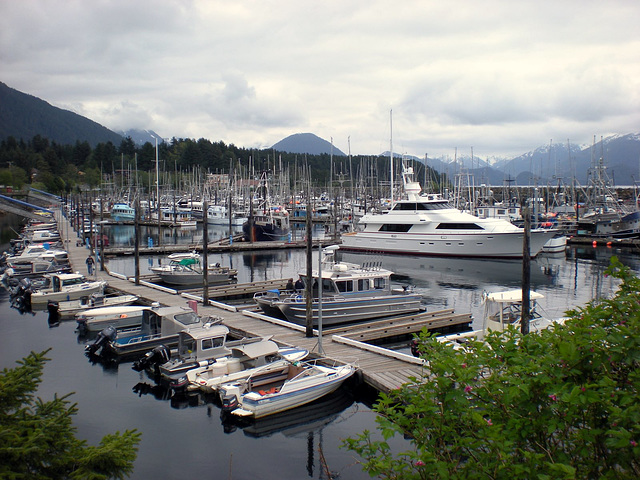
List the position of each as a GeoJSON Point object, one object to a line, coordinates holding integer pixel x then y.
{"type": "Point", "coordinates": [488, 420]}
{"type": "Point", "coordinates": [420, 463]}
{"type": "Point", "coordinates": [467, 389]}
{"type": "Point", "coordinates": [583, 389]}
{"type": "Point", "coordinates": [633, 443]}
{"type": "Point", "coordinates": [464, 365]}
{"type": "Point", "coordinates": [553, 397]}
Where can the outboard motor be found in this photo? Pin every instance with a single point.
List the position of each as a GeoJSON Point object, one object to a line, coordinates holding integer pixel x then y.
{"type": "Point", "coordinates": [229, 395]}
{"type": "Point", "coordinates": [153, 358]}
{"type": "Point", "coordinates": [54, 313]}
{"type": "Point", "coordinates": [104, 336]}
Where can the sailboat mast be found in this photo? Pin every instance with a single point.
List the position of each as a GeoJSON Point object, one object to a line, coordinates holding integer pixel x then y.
{"type": "Point", "coordinates": [391, 151]}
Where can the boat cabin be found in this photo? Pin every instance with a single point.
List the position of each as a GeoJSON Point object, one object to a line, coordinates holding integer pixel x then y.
{"type": "Point", "coordinates": [202, 342]}
{"type": "Point", "coordinates": [61, 281]}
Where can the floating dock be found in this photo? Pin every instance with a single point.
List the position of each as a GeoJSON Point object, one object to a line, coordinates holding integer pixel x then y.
{"type": "Point", "coordinates": [381, 368]}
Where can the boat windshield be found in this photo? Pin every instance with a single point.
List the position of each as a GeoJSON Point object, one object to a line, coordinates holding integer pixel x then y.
{"type": "Point", "coordinates": [188, 318]}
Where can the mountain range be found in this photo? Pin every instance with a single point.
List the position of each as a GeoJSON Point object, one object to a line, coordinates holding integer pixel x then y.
{"type": "Point", "coordinates": [24, 116]}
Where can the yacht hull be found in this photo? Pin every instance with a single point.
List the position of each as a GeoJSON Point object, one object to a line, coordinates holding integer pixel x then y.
{"type": "Point", "coordinates": [484, 245]}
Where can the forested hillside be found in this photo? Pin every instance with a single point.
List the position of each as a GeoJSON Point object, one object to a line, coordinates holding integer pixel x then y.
{"type": "Point", "coordinates": [69, 168]}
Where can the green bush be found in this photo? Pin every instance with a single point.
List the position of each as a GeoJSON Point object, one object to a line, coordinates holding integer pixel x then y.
{"type": "Point", "coordinates": [562, 403]}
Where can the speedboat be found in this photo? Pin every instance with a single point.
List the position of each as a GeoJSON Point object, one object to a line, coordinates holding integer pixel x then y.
{"type": "Point", "coordinates": [427, 224]}
{"type": "Point", "coordinates": [304, 382]}
{"type": "Point", "coordinates": [66, 286]}
{"type": "Point", "coordinates": [242, 363]}
{"type": "Point", "coordinates": [350, 293]}
{"type": "Point", "coordinates": [186, 269]}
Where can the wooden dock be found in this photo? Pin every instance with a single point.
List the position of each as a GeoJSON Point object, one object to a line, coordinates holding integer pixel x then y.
{"type": "Point", "coordinates": [381, 368]}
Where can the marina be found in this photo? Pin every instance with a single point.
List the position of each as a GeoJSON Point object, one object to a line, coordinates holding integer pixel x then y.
{"type": "Point", "coordinates": [129, 399]}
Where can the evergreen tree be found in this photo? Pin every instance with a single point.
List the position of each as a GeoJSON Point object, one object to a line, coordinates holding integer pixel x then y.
{"type": "Point", "coordinates": [37, 438]}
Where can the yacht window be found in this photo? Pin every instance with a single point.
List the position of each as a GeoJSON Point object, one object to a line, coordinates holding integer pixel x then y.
{"type": "Point", "coordinates": [434, 206]}
{"type": "Point", "coordinates": [379, 283]}
{"type": "Point", "coordinates": [459, 226]}
{"type": "Point", "coordinates": [392, 227]}
{"type": "Point", "coordinates": [345, 286]}
{"type": "Point", "coordinates": [209, 343]}
{"type": "Point", "coordinates": [364, 284]}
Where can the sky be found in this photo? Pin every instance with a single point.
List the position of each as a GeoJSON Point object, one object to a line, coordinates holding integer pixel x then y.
{"type": "Point", "coordinates": [492, 77]}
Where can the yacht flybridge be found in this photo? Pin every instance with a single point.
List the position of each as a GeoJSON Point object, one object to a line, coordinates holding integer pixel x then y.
{"type": "Point", "coordinates": [427, 224]}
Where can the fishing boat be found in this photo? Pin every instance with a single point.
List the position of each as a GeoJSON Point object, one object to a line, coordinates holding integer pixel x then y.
{"type": "Point", "coordinates": [266, 223]}
{"type": "Point", "coordinates": [305, 382]}
{"type": "Point", "coordinates": [186, 269]}
{"type": "Point", "coordinates": [64, 287]}
{"type": "Point", "coordinates": [219, 215]}
{"type": "Point", "coordinates": [118, 316]}
{"type": "Point", "coordinates": [159, 326]}
{"type": "Point", "coordinates": [36, 269]}
{"type": "Point", "coordinates": [121, 212]}
{"type": "Point", "coordinates": [350, 293]}
{"type": "Point", "coordinates": [240, 364]}
{"type": "Point", "coordinates": [427, 224]}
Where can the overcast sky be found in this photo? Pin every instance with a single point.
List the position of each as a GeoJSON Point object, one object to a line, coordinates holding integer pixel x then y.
{"type": "Point", "coordinates": [501, 77]}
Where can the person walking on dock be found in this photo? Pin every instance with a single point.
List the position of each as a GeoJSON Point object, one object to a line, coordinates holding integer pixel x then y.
{"type": "Point", "coordinates": [299, 284]}
{"type": "Point", "coordinates": [90, 262]}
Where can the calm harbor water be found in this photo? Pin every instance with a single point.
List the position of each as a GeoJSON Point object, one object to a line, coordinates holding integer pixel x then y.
{"type": "Point", "coordinates": [186, 437]}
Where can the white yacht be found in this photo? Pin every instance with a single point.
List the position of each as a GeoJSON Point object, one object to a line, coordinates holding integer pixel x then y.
{"type": "Point", "coordinates": [426, 224]}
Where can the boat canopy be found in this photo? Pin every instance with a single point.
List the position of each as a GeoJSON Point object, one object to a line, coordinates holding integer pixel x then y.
{"type": "Point", "coordinates": [511, 296]}
{"type": "Point", "coordinates": [256, 349]}
{"type": "Point", "coordinates": [189, 261]}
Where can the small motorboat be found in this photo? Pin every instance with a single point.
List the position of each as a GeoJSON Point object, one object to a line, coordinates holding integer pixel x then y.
{"type": "Point", "coordinates": [243, 362]}
{"type": "Point", "coordinates": [95, 300]}
{"type": "Point", "coordinates": [303, 383]}
{"type": "Point", "coordinates": [118, 316]}
{"type": "Point", "coordinates": [186, 269]}
{"type": "Point", "coordinates": [65, 287]}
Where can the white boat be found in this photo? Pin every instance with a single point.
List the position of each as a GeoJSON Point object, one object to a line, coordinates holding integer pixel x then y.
{"type": "Point", "coordinates": [428, 225]}
{"type": "Point", "coordinates": [95, 300]}
{"type": "Point", "coordinates": [505, 308]}
{"type": "Point", "coordinates": [219, 215]}
{"type": "Point", "coordinates": [197, 347]}
{"type": "Point", "coordinates": [502, 309]}
{"type": "Point", "coordinates": [186, 269]}
{"type": "Point", "coordinates": [242, 362]}
{"type": "Point", "coordinates": [350, 293]}
{"type": "Point", "coordinates": [557, 243]}
{"type": "Point", "coordinates": [43, 236]}
{"type": "Point", "coordinates": [118, 316]}
{"type": "Point", "coordinates": [38, 251]}
{"type": "Point", "coordinates": [64, 287]}
{"type": "Point", "coordinates": [304, 383]}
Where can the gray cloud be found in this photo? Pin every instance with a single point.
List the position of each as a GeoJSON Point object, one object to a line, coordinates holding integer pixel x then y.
{"type": "Point", "coordinates": [495, 75]}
